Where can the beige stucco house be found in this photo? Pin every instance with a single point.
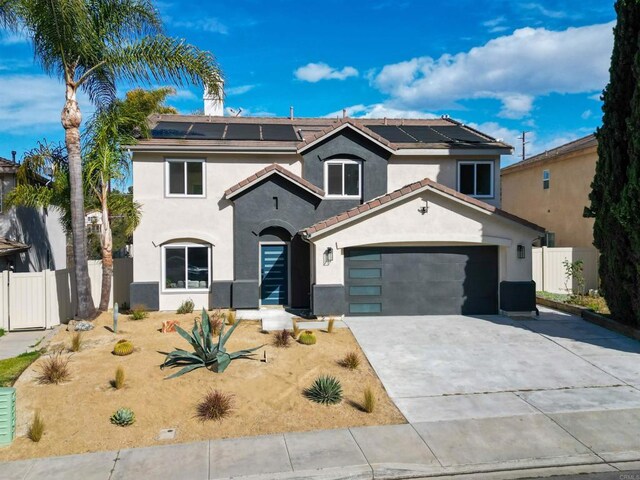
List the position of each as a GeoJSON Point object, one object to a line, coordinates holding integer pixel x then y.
{"type": "Point", "coordinates": [333, 216]}
{"type": "Point", "coordinates": [551, 189]}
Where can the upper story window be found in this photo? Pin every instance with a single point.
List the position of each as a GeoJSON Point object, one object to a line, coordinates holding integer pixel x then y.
{"type": "Point", "coordinates": [342, 178]}
{"type": "Point", "coordinates": [185, 178]}
{"type": "Point", "coordinates": [546, 178]}
{"type": "Point", "coordinates": [186, 266]}
{"type": "Point", "coordinates": [475, 178]}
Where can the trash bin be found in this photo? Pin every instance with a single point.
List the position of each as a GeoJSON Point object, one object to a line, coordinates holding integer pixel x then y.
{"type": "Point", "coordinates": [7, 415]}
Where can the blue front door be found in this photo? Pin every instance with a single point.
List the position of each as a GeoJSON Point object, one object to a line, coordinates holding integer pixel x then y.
{"type": "Point", "coordinates": [274, 286]}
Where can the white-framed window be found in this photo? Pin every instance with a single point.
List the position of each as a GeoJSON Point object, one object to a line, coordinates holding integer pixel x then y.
{"type": "Point", "coordinates": [185, 177]}
{"type": "Point", "coordinates": [186, 266]}
{"type": "Point", "coordinates": [342, 178]}
{"type": "Point", "coordinates": [475, 178]}
{"type": "Point", "coordinates": [546, 179]}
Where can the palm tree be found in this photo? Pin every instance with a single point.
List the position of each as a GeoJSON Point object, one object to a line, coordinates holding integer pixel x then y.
{"type": "Point", "coordinates": [90, 45]}
{"type": "Point", "coordinates": [106, 161]}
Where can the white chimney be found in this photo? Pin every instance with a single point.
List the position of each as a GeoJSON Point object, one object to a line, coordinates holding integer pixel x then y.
{"type": "Point", "coordinates": [213, 104]}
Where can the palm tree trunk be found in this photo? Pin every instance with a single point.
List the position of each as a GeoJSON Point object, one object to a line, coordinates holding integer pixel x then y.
{"type": "Point", "coordinates": [106, 242]}
{"type": "Point", "coordinates": [71, 119]}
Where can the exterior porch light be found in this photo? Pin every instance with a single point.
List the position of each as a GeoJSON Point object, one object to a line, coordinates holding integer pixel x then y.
{"type": "Point", "coordinates": [521, 251]}
{"type": "Point", "coordinates": [424, 208]}
{"type": "Point", "coordinates": [328, 256]}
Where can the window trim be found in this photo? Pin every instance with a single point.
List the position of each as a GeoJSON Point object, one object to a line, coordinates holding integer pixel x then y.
{"type": "Point", "coordinates": [185, 245]}
{"type": "Point", "coordinates": [546, 177]}
{"type": "Point", "coordinates": [343, 162]}
{"type": "Point", "coordinates": [167, 178]}
{"type": "Point", "coordinates": [475, 175]}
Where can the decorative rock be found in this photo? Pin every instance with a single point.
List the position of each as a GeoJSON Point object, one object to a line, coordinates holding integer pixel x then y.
{"type": "Point", "coordinates": [169, 326]}
{"type": "Point", "coordinates": [79, 326]}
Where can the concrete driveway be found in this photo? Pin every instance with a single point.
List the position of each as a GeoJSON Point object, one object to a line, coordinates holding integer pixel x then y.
{"type": "Point", "coordinates": [558, 380]}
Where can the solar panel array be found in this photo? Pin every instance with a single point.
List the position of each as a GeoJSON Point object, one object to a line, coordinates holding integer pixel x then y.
{"type": "Point", "coordinates": [225, 131]}
{"type": "Point", "coordinates": [427, 134]}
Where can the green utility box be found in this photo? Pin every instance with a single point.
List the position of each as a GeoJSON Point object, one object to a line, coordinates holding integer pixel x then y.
{"type": "Point", "coordinates": [7, 415]}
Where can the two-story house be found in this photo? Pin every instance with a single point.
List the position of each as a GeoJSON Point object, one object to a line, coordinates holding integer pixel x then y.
{"type": "Point", "coordinates": [338, 216]}
{"type": "Point", "coordinates": [30, 239]}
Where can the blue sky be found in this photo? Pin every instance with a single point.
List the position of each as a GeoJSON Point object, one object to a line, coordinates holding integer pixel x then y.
{"type": "Point", "coordinates": [500, 66]}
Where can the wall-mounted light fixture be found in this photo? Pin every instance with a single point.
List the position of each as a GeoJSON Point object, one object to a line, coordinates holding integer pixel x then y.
{"type": "Point", "coordinates": [328, 256]}
{"type": "Point", "coordinates": [521, 251]}
{"type": "Point", "coordinates": [424, 209]}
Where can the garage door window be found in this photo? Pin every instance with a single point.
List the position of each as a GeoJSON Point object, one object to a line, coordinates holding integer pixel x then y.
{"type": "Point", "coordinates": [365, 290]}
{"type": "Point", "coordinates": [365, 307]}
{"type": "Point", "coordinates": [365, 273]}
{"type": "Point", "coordinates": [476, 179]}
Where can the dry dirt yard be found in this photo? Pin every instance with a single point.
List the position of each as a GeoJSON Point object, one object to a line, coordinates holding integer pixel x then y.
{"type": "Point", "coordinates": [267, 396]}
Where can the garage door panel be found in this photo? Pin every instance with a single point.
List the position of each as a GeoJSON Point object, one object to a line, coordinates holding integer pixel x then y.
{"type": "Point", "coordinates": [422, 280]}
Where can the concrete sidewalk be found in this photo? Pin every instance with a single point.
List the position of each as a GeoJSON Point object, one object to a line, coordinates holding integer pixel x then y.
{"type": "Point", "coordinates": [13, 344]}
{"type": "Point", "coordinates": [498, 448]}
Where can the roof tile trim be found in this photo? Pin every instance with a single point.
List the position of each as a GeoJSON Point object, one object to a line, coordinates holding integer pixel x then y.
{"type": "Point", "coordinates": [576, 145]}
{"type": "Point", "coordinates": [352, 123]}
{"type": "Point", "coordinates": [406, 190]}
{"type": "Point", "coordinates": [273, 168]}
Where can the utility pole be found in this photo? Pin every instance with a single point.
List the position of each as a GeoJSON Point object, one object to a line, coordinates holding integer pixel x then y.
{"type": "Point", "coordinates": [523, 139]}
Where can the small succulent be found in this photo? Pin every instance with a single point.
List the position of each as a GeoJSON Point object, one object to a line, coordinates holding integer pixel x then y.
{"type": "Point", "coordinates": [326, 390]}
{"type": "Point", "coordinates": [307, 338]}
{"type": "Point", "coordinates": [123, 347]}
{"type": "Point", "coordinates": [123, 417]}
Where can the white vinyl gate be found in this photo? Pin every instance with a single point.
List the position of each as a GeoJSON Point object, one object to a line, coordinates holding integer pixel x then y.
{"type": "Point", "coordinates": [39, 300]}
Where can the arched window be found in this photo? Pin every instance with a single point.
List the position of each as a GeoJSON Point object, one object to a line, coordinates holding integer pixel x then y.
{"type": "Point", "coordinates": [186, 266]}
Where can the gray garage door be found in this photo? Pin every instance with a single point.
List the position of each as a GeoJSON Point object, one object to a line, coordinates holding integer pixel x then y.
{"type": "Point", "coordinates": [422, 280]}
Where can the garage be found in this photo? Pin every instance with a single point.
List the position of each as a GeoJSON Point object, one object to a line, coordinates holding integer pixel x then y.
{"type": "Point", "coordinates": [439, 280]}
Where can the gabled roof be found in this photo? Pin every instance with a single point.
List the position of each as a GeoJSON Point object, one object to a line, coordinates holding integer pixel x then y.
{"type": "Point", "coordinates": [580, 144]}
{"type": "Point", "coordinates": [341, 125]}
{"type": "Point", "coordinates": [9, 247]}
{"type": "Point", "coordinates": [273, 169]}
{"type": "Point", "coordinates": [7, 166]}
{"type": "Point", "coordinates": [425, 184]}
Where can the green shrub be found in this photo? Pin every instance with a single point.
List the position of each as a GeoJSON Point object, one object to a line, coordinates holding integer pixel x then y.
{"type": "Point", "coordinates": [36, 429]}
{"type": "Point", "coordinates": [55, 369]}
{"type": "Point", "coordinates": [138, 313]}
{"type": "Point", "coordinates": [369, 400]}
{"type": "Point", "coordinates": [76, 342]}
{"type": "Point", "coordinates": [307, 338]}
{"type": "Point", "coordinates": [326, 390]}
{"type": "Point", "coordinates": [122, 348]}
{"type": "Point", "coordinates": [351, 361]}
{"type": "Point", "coordinates": [215, 406]}
{"type": "Point", "coordinates": [282, 338]}
{"type": "Point", "coordinates": [2, 332]}
{"type": "Point", "coordinates": [186, 307]}
{"type": "Point", "coordinates": [123, 417]}
{"type": "Point", "coordinates": [118, 381]}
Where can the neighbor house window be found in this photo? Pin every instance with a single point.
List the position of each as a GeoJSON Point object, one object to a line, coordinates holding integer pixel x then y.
{"type": "Point", "coordinates": [476, 178]}
{"type": "Point", "coordinates": [546, 177]}
{"type": "Point", "coordinates": [185, 178]}
{"type": "Point", "coordinates": [186, 267]}
{"type": "Point", "coordinates": [342, 178]}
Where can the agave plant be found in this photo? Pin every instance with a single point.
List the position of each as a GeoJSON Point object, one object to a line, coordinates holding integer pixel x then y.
{"type": "Point", "coordinates": [207, 353]}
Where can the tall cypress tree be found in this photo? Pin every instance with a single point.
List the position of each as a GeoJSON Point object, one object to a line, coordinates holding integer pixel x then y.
{"type": "Point", "coordinates": [615, 196]}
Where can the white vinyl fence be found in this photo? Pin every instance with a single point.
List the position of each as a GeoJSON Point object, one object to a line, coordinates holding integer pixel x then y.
{"type": "Point", "coordinates": [44, 299]}
{"type": "Point", "coordinates": [549, 273]}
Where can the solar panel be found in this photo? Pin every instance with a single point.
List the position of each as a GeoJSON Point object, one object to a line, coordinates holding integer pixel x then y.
{"type": "Point", "coordinates": [278, 132]}
{"type": "Point", "coordinates": [170, 130]}
{"type": "Point", "coordinates": [242, 131]}
{"type": "Point", "coordinates": [391, 133]}
{"type": "Point", "coordinates": [424, 134]}
{"type": "Point", "coordinates": [460, 134]}
{"type": "Point", "coordinates": [206, 131]}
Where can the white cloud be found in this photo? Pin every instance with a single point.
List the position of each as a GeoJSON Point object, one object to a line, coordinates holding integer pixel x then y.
{"type": "Point", "coordinates": [496, 25]}
{"type": "Point", "coordinates": [596, 97]}
{"type": "Point", "coordinates": [513, 69]}
{"type": "Point", "coordinates": [586, 114]}
{"type": "Point", "coordinates": [209, 24]}
{"type": "Point", "coordinates": [314, 72]}
{"type": "Point", "coordinates": [246, 112]}
{"type": "Point", "coordinates": [379, 110]}
{"type": "Point", "coordinates": [239, 90]}
{"type": "Point", "coordinates": [11, 38]}
{"type": "Point", "coordinates": [543, 10]}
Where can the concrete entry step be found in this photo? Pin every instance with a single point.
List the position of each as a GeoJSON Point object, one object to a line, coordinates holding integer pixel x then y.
{"type": "Point", "coordinates": [272, 319]}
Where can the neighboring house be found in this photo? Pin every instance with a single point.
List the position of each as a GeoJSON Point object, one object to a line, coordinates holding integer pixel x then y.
{"type": "Point", "coordinates": [552, 189]}
{"type": "Point", "coordinates": [30, 239]}
{"type": "Point", "coordinates": [375, 217]}
{"type": "Point", "coordinates": [93, 221]}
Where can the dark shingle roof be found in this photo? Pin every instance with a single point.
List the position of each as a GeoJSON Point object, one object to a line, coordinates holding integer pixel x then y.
{"type": "Point", "coordinates": [407, 189]}
{"type": "Point", "coordinates": [580, 144]}
{"type": "Point", "coordinates": [7, 166]}
{"type": "Point", "coordinates": [273, 168]}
